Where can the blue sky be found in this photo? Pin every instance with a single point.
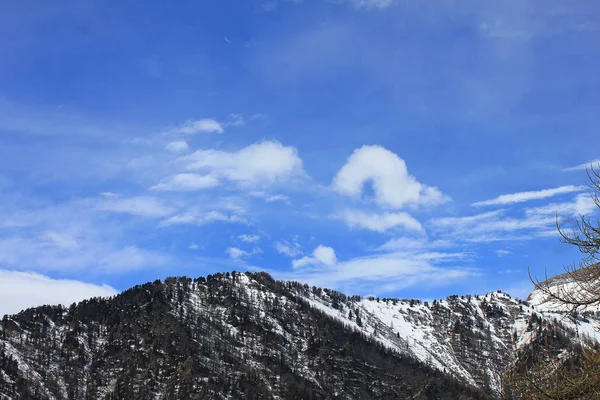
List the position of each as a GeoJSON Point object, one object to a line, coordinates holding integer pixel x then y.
{"type": "Point", "coordinates": [410, 149]}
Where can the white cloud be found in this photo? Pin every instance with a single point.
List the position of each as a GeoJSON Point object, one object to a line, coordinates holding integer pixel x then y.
{"type": "Point", "coordinates": [527, 196]}
{"type": "Point", "coordinates": [583, 167]}
{"type": "Point", "coordinates": [60, 240]}
{"type": "Point", "coordinates": [260, 163]}
{"type": "Point", "coordinates": [372, 3]}
{"type": "Point", "coordinates": [141, 205]}
{"type": "Point", "coordinates": [270, 198]}
{"type": "Point", "coordinates": [289, 249]}
{"type": "Point", "coordinates": [277, 197]}
{"type": "Point", "coordinates": [393, 186]}
{"type": "Point", "coordinates": [489, 222]}
{"type": "Point", "coordinates": [193, 246]}
{"type": "Point", "coordinates": [258, 116]}
{"type": "Point", "coordinates": [383, 273]}
{"type": "Point", "coordinates": [249, 238]}
{"type": "Point", "coordinates": [177, 146]}
{"type": "Point", "coordinates": [379, 222]}
{"type": "Point", "coordinates": [494, 226]}
{"type": "Point", "coordinates": [205, 125]}
{"type": "Point", "coordinates": [583, 204]}
{"type": "Point", "coordinates": [20, 290]}
{"type": "Point", "coordinates": [187, 182]}
{"type": "Point", "coordinates": [73, 237]}
{"type": "Point", "coordinates": [322, 255]}
{"type": "Point", "coordinates": [195, 218]}
{"type": "Point", "coordinates": [502, 253]}
{"type": "Point", "coordinates": [236, 120]}
{"type": "Point", "coordinates": [414, 244]}
{"type": "Point", "coordinates": [236, 253]}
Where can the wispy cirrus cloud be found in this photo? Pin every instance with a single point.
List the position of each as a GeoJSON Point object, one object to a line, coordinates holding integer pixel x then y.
{"type": "Point", "coordinates": [521, 197]}
{"type": "Point", "coordinates": [413, 244]}
{"type": "Point", "coordinates": [584, 166]}
{"type": "Point", "coordinates": [104, 257]}
{"type": "Point", "coordinates": [502, 252]}
{"type": "Point", "coordinates": [187, 182]}
{"type": "Point", "coordinates": [492, 226]}
{"type": "Point", "coordinates": [138, 205]}
{"type": "Point", "coordinates": [382, 273]}
{"type": "Point", "coordinates": [60, 240]}
{"type": "Point", "coordinates": [205, 125]}
{"type": "Point", "coordinates": [202, 218]}
{"type": "Point", "coordinates": [379, 222]}
{"type": "Point", "coordinates": [177, 146]}
{"type": "Point", "coordinates": [499, 225]}
{"type": "Point", "coordinates": [290, 249]}
{"type": "Point", "coordinates": [371, 4]}
{"type": "Point", "coordinates": [582, 204]}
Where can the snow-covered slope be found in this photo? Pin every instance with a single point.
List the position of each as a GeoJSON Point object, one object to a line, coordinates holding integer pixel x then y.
{"type": "Point", "coordinates": [471, 337]}
{"type": "Point", "coordinates": [229, 326]}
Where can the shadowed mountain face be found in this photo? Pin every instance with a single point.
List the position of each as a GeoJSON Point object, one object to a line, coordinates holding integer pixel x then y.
{"type": "Point", "coordinates": [248, 336]}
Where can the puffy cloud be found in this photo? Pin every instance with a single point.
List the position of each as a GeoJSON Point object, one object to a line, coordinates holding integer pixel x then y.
{"type": "Point", "coordinates": [141, 205]}
{"type": "Point", "coordinates": [394, 187]}
{"type": "Point", "coordinates": [527, 196]}
{"type": "Point", "coordinates": [187, 182]}
{"type": "Point", "coordinates": [260, 163]}
{"type": "Point", "coordinates": [20, 290]}
{"type": "Point", "coordinates": [193, 246]}
{"type": "Point", "coordinates": [196, 218]}
{"type": "Point", "coordinates": [249, 238]}
{"type": "Point", "coordinates": [205, 125]}
{"type": "Point", "coordinates": [322, 255]}
{"type": "Point", "coordinates": [177, 146]}
{"type": "Point", "coordinates": [380, 222]}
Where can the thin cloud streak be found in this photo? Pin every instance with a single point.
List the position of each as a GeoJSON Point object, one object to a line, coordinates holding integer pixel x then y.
{"type": "Point", "coordinates": [528, 196]}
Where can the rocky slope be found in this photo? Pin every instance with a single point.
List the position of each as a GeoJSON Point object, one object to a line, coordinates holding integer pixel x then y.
{"type": "Point", "coordinates": [248, 336]}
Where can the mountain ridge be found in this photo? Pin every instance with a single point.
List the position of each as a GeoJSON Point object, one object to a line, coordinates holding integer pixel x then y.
{"type": "Point", "coordinates": [462, 342]}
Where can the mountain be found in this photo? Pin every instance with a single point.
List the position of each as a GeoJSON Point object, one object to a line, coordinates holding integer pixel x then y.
{"type": "Point", "coordinates": [249, 336]}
